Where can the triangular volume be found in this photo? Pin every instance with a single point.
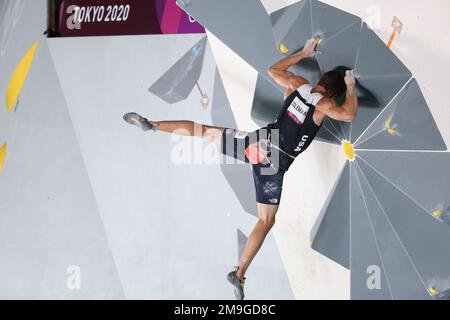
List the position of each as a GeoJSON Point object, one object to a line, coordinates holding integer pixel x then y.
{"type": "Point", "coordinates": [422, 176]}
{"type": "Point", "coordinates": [177, 83]}
{"type": "Point", "coordinates": [424, 238]}
{"type": "Point", "coordinates": [327, 21]}
{"type": "Point", "coordinates": [48, 205]}
{"type": "Point", "coordinates": [371, 129]}
{"type": "Point", "coordinates": [396, 269]}
{"type": "Point", "coordinates": [406, 124]}
{"type": "Point", "coordinates": [374, 94]}
{"type": "Point", "coordinates": [368, 278]}
{"type": "Point", "coordinates": [284, 19]}
{"type": "Point", "coordinates": [291, 35]}
{"type": "Point", "coordinates": [375, 58]}
{"type": "Point", "coordinates": [331, 233]}
{"type": "Point", "coordinates": [248, 33]}
{"type": "Point", "coordinates": [340, 50]}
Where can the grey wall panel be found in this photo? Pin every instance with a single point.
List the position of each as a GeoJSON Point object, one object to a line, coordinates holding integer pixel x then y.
{"type": "Point", "coordinates": [375, 58]}
{"type": "Point", "coordinates": [415, 128]}
{"type": "Point", "coordinates": [328, 21]}
{"type": "Point", "coordinates": [375, 93]}
{"type": "Point", "coordinates": [49, 215]}
{"type": "Point", "coordinates": [423, 237]}
{"type": "Point", "coordinates": [334, 127]}
{"type": "Point", "coordinates": [177, 83]}
{"type": "Point", "coordinates": [325, 135]}
{"type": "Point", "coordinates": [292, 33]}
{"type": "Point", "coordinates": [267, 102]}
{"type": "Point", "coordinates": [284, 21]}
{"type": "Point", "coordinates": [244, 26]}
{"type": "Point", "coordinates": [331, 234]}
{"type": "Point", "coordinates": [340, 49]}
{"type": "Point", "coordinates": [365, 254]}
{"type": "Point", "coordinates": [422, 176]}
{"type": "Point", "coordinates": [400, 274]}
{"type": "Point", "coordinates": [378, 125]}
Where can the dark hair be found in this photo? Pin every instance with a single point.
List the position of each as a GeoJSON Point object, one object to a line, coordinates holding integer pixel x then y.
{"type": "Point", "coordinates": [333, 82]}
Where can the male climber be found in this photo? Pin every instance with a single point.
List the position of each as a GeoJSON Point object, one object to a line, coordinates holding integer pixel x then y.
{"type": "Point", "coordinates": [272, 150]}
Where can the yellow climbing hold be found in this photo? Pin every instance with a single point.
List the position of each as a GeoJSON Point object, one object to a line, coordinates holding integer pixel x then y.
{"type": "Point", "coordinates": [283, 49]}
{"type": "Point", "coordinates": [2, 156]}
{"type": "Point", "coordinates": [392, 131]}
{"type": "Point", "coordinates": [388, 126]}
{"type": "Point", "coordinates": [388, 122]}
{"type": "Point", "coordinates": [18, 78]}
{"type": "Point", "coordinates": [437, 213]}
{"type": "Point", "coordinates": [433, 291]}
{"type": "Point", "coordinates": [349, 151]}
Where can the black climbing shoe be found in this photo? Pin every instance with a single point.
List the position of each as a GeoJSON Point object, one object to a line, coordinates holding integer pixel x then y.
{"type": "Point", "coordinates": [140, 122]}
{"type": "Point", "coordinates": [237, 283]}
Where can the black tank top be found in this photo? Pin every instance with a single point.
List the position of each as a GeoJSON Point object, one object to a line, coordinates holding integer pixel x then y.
{"type": "Point", "coordinates": [295, 128]}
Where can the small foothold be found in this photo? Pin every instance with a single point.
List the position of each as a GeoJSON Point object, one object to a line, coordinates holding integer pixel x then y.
{"type": "Point", "coordinates": [388, 122]}
{"type": "Point", "coordinates": [349, 151]}
{"type": "Point", "coordinates": [392, 131]}
{"type": "Point", "coordinates": [283, 49]}
{"type": "Point", "coordinates": [397, 25]}
{"type": "Point", "coordinates": [318, 40]}
{"type": "Point", "coordinates": [197, 48]}
{"type": "Point", "coordinates": [433, 291]}
{"type": "Point", "coordinates": [437, 213]}
{"type": "Point", "coordinates": [205, 101]}
{"type": "Point", "coordinates": [388, 126]}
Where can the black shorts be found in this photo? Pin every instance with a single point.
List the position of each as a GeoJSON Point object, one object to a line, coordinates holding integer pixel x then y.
{"type": "Point", "coordinates": [268, 179]}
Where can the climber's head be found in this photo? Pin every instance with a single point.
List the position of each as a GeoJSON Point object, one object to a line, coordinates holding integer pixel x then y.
{"type": "Point", "coordinates": [333, 84]}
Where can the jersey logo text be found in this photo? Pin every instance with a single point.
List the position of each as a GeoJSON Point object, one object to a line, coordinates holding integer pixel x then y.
{"type": "Point", "coordinates": [298, 111]}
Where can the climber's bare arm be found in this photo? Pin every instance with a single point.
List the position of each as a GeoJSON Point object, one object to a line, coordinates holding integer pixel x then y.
{"type": "Point", "coordinates": [280, 71]}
